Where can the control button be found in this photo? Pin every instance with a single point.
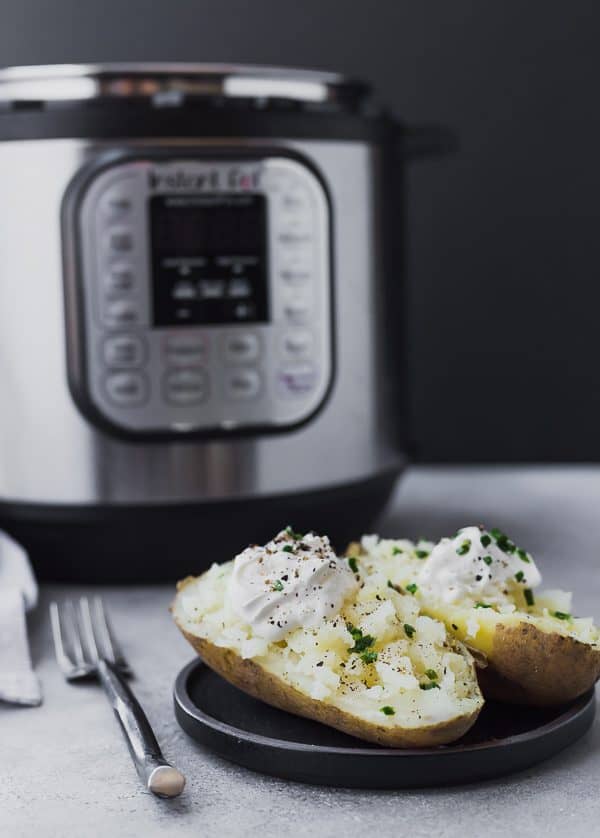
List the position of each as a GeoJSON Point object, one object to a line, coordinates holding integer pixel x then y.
{"type": "Point", "coordinates": [295, 268]}
{"type": "Point", "coordinates": [241, 347]}
{"type": "Point", "coordinates": [242, 384]}
{"type": "Point", "coordinates": [126, 388]}
{"type": "Point", "coordinates": [297, 343]}
{"type": "Point", "coordinates": [116, 202]}
{"type": "Point", "coordinates": [186, 349]}
{"type": "Point", "coordinates": [121, 313]}
{"type": "Point", "coordinates": [295, 380]}
{"type": "Point", "coordinates": [123, 351]}
{"type": "Point", "coordinates": [297, 309]}
{"type": "Point", "coordinates": [120, 241]}
{"type": "Point", "coordinates": [293, 238]}
{"type": "Point", "coordinates": [119, 280]}
{"type": "Point", "coordinates": [296, 200]}
{"type": "Point", "coordinates": [183, 387]}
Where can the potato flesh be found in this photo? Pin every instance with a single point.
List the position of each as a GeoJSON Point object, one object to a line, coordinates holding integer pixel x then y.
{"type": "Point", "coordinates": [476, 626]}
{"type": "Point", "coordinates": [318, 663]}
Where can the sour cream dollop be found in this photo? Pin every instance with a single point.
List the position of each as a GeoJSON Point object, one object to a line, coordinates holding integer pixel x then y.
{"type": "Point", "coordinates": [294, 580]}
{"type": "Point", "coordinates": [477, 564]}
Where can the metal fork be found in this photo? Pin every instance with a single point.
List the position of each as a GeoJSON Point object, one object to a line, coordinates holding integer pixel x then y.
{"type": "Point", "coordinates": [86, 648]}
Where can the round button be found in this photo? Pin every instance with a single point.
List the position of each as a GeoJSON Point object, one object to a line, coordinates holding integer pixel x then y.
{"type": "Point", "coordinates": [296, 380]}
{"type": "Point", "coordinates": [126, 389]}
{"type": "Point", "coordinates": [183, 387]}
{"type": "Point", "coordinates": [295, 268]}
{"type": "Point", "coordinates": [119, 280]}
{"type": "Point", "coordinates": [116, 201]}
{"type": "Point", "coordinates": [297, 343]}
{"type": "Point", "coordinates": [120, 240]}
{"type": "Point", "coordinates": [121, 313]}
{"type": "Point", "coordinates": [186, 349]}
{"type": "Point", "coordinates": [297, 308]}
{"type": "Point", "coordinates": [123, 351]}
{"type": "Point", "coordinates": [241, 347]}
{"type": "Point", "coordinates": [242, 384]}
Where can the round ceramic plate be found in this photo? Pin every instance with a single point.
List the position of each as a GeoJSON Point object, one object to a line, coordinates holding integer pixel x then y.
{"type": "Point", "coordinates": [243, 730]}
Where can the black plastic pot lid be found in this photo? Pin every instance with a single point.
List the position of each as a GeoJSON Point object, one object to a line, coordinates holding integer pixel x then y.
{"type": "Point", "coordinates": [241, 729]}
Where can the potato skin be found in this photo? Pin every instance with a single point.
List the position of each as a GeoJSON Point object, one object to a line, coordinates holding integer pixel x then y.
{"type": "Point", "coordinates": [252, 679]}
{"type": "Point", "coordinates": [530, 666]}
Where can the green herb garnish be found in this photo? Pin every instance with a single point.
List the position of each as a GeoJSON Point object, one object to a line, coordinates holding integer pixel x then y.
{"type": "Point", "coordinates": [412, 588]}
{"type": "Point", "coordinates": [387, 710]}
{"type": "Point", "coordinates": [464, 547]}
{"type": "Point", "coordinates": [562, 615]}
{"type": "Point", "coordinates": [519, 576]}
{"type": "Point", "coordinates": [421, 554]}
{"type": "Point", "coordinates": [430, 685]}
{"type": "Point", "coordinates": [368, 657]}
{"type": "Point", "coordinates": [277, 586]}
{"type": "Point", "coordinates": [288, 548]}
{"type": "Point", "coordinates": [488, 560]}
{"type": "Point", "coordinates": [485, 540]}
{"type": "Point", "coordinates": [353, 564]}
{"type": "Point", "coordinates": [529, 598]}
{"type": "Point", "coordinates": [523, 555]}
{"type": "Point", "coordinates": [409, 630]}
{"type": "Point", "coordinates": [483, 605]}
{"type": "Point", "coordinates": [361, 641]}
{"type": "Point", "coordinates": [503, 541]}
{"type": "Point", "coordinates": [297, 536]}
{"type": "Point", "coordinates": [431, 674]}
{"type": "Point", "coordinates": [396, 551]}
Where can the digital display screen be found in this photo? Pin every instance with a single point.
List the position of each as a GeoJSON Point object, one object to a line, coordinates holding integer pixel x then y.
{"type": "Point", "coordinates": [209, 259]}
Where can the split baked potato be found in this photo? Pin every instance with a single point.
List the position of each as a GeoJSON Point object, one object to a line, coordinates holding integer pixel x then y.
{"type": "Point", "coordinates": [378, 668]}
{"type": "Point", "coordinates": [529, 647]}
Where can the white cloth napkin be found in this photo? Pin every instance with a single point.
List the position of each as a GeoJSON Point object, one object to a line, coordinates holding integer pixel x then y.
{"type": "Point", "coordinates": [18, 593]}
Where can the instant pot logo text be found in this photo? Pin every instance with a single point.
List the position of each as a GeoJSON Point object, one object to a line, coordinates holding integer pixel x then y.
{"type": "Point", "coordinates": [184, 179]}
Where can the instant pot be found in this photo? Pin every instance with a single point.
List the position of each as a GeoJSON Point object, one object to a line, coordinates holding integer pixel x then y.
{"type": "Point", "coordinates": [201, 311]}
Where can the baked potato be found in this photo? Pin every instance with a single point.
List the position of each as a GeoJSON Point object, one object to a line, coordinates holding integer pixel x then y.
{"type": "Point", "coordinates": [529, 646]}
{"type": "Point", "coordinates": [375, 667]}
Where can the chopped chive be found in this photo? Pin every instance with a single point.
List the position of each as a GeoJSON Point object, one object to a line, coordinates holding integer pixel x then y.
{"type": "Point", "coordinates": [396, 551]}
{"type": "Point", "coordinates": [485, 540]}
{"type": "Point", "coordinates": [288, 548]}
{"type": "Point", "coordinates": [277, 585]}
{"type": "Point", "coordinates": [431, 674]}
{"type": "Point", "coordinates": [464, 547]}
{"type": "Point", "coordinates": [412, 588]}
{"type": "Point", "coordinates": [488, 560]}
{"type": "Point", "coordinates": [369, 657]}
{"type": "Point", "coordinates": [421, 554]}
{"type": "Point", "coordinates": [523, 555]}
{"type": "Point", "coordinates": [483, 605]}
{"type": "Point", "coordinates": [430, 685]}
{"type": "Point", "coordinates": [409, 630]}
{"type": "Point", "coordinates": [387, 710]}
{"type": "Point", "coordinates": [529, 598]}
{"type": "Point", "coordinates": [297, 536]}
{"type": "Point", "coordinates": [519, 576]}
{"type": "Point", "coordinates": [353, 564]}
{"type": "Point", "coordinates": [503, 541]}
{"type": "Point", "coordinates": [562, 615]}
{"type": "Point", "coordinates": [361, 641]}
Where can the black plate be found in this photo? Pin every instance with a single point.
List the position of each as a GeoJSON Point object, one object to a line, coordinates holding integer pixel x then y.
{"type": "Point", "coordinates": [239, 728]}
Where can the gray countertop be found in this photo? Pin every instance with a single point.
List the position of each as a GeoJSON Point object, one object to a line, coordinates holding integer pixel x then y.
{"type": "Point", "coordinates": [64, 769]}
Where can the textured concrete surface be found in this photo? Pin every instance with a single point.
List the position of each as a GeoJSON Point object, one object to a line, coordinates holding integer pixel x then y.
{"type": "Point", "coordinates": [65, 771]}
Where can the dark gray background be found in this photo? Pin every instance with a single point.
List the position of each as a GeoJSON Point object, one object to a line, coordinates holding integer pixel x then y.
{"type": "Point", "coordinates": [503, 238]}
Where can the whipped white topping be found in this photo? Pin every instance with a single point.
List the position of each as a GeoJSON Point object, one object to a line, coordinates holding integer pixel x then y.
{"type": "Point", "coordinates": [294, 580]}
{"type": "Point", "coordinates": [478, 564]}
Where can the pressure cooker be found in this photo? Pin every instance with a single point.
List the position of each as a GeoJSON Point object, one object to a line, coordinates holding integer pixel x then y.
{"type": "Point", "coordinates": [201, 311]}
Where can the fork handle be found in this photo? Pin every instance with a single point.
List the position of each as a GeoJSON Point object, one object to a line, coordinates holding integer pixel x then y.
{"type": "Point", "coordinates": [159, 777]}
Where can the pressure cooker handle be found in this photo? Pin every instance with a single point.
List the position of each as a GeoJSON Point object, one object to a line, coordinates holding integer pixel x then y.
{"type": "Point", "coordinates": [425, 140]}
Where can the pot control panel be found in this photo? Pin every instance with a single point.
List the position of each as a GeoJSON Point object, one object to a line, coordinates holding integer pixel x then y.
{"type": "Point", "coordinates": [204, 293]}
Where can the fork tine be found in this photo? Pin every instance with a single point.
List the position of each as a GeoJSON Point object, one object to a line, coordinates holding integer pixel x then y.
{"type": "Point", "coordinates": [75, 637]}
{"type": "Point", "coordinates": [62, 657]}
{"type": "Point", "coordinates": [88, 629]}
{"type": "Point", "coordinates": [109, 640]}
